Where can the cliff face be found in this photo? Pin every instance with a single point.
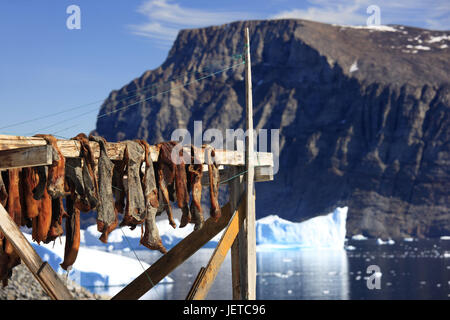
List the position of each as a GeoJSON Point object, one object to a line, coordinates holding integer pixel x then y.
{"type": "Point", "coordinates": [363, 116]}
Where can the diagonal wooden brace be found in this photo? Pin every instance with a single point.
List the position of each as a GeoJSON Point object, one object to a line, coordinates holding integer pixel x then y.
{"type": "Point", "coordinates": [207, 276]}
{"type": "Point", "coordinates": [42, 271]}
{"type": "Point", "coordinates": [176, 256]}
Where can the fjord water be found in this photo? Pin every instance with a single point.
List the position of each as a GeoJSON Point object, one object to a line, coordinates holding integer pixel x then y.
{"type": "Point", "coordinates": [410, 270]}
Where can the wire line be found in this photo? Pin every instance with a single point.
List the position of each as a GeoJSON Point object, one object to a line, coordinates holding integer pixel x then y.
{"type": "Point", "coordinates": [145, 271]}
{"type": "Point", "coordinates": [150, 98]}
{"type": "Point", "coordinates": [125, 96]}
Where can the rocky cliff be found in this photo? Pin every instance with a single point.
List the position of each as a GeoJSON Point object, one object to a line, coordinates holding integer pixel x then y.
{"type": "Point", "coordinates": [363, 115]}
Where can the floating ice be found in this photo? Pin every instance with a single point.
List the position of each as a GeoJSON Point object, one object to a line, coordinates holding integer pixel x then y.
{"type": "Point", "coordinates": [419, 47]}
{"type": "Point", "coordinates": [389, 241]}
{"type": "Point", "coordinates": [359, 237]}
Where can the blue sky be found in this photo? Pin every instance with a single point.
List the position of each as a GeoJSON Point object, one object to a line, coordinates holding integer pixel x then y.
{"type": "Point", "coordinates": [45, 68]}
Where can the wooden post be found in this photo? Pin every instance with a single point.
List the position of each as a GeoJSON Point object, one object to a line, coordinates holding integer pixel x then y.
{"type": "Point", "coordinates": [248, 258]}
{"type": "Point", "coordinates": [42, 271]}
{"type": "Point", "coordinates": [236, 189]}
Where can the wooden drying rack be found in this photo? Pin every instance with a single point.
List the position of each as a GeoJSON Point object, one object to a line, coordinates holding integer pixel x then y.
{"type": "Point", "coordinates": [238, 215]}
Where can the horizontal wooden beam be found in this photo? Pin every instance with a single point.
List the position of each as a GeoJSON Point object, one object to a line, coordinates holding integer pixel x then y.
{"type": "Point", "coordinates": [176, 256]}
{"type": "Point", "coordinates": [44, 273]}
{"type": "Point", "coordinates": [71, 149]}
{"type": "Point", "coordinates": [26, 157]}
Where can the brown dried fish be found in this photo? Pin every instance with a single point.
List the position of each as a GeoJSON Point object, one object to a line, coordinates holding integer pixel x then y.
{"type": "Point", "coordinates": [56, 171]}
{"type": "Point", "coordinates": [150, 238]}
{"type": "Point", "coordinates": [106, 214]}
{"type": "Point", "coordinates": [135, 206]}
{"type": "Point", "coordinates": [214, 180]}
{"type": "Point", "coordinates": [89, 179]}
{"type": "Point", "coordinates": [72, 234]}
{"type": "Point", "coordinates": [166, 176]}
{"type": "Point", "coordinates": [195, 173]}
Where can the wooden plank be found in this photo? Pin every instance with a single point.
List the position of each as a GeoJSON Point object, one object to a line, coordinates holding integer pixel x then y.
{"type": "Point", "coordinates": [248, 257]}
{"type": "Point", "coordinates": [176, 256]}
{"type": "Point", "coordinates": [46, 276]}
{"type": "Point", "coordinates": [206, 279]}
{"type": "Point", "coordinates": [236, 189]}
{"type": "Point", "coordinates": [26, 157]}
{"type": "Point", "coordinates": [71, 149]}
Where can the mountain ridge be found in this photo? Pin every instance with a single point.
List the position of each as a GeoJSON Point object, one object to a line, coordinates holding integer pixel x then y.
{"type": "Point", "coordinates": [363, 116]}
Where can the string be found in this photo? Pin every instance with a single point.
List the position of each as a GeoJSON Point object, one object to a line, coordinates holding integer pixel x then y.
{"type": "Point", "coordinates": [150, 98]}
{"type": "Point", "coordinates": [125, 96]}
{"type": "Point", "coordinates": [145, 271]}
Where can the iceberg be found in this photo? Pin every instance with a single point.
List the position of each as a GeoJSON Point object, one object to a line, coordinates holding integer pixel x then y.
{"type": "Point", "coordinates": [272, 232]}
{"type": "Point", "coordinates": [319, 232]}
{"type": "Point", "coordinates": [359, 237]}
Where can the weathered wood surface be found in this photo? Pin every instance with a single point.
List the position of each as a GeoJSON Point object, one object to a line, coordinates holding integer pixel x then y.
{"type": "Point", "coordinates": [236, 187]}
{"type": "Point", "coordinates": [71, 149]}
{"type": "Point", "coordinates": [26, 157]}
{"type": "Point", "coordinates": [205, 280]}
{"type": "Point", "coordinates": [45, 275]}
{"type": "Point", "coordinates": [176, 256]}
{"type": "Point", "coordinates": [248, 257]}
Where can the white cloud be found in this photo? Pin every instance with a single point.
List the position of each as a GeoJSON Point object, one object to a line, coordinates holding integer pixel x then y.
{"type": "Point", "coordinates": [165, 18]}
{"type": "Point", "coordinates": [327, 15]}
{"type": "Point", "coordinates": [353, 12]}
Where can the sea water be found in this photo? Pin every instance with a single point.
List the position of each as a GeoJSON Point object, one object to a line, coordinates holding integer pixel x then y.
{"type": "Point", "coordinates": [417, 269]}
